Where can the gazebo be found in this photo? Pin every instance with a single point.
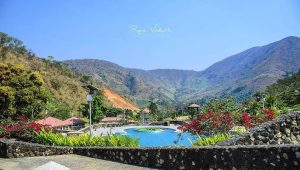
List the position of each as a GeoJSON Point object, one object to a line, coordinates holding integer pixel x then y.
{"type": "Point", "coordinates": [193, 108]}
{"type": "Point", "coordinates": [145, 116]}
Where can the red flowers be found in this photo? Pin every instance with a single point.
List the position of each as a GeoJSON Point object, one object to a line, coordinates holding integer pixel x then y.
{"type": "Point", "coordinates": [192, 127]}
{"type": "Point", "coordinates": [209, 123]}
{"type": "Point", "coordinates": [23, 128]}
{"type": "Point", "coordinates": [250, 120]}
{"type": "Point", "coordinates": [269, 114]}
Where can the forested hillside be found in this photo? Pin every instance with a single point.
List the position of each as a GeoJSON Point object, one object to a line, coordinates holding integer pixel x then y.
{"type": "Point", "coordinates": [287, 89]}
{"type": "Point", "coordinates": [64, 89]}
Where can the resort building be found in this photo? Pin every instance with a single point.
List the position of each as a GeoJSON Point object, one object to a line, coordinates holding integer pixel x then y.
{"type": "Point", "coordinates": [72, 123]}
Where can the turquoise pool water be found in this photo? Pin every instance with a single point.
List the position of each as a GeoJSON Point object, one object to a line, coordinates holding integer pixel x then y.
{"type": "Point", "coordinates": [166, 137]}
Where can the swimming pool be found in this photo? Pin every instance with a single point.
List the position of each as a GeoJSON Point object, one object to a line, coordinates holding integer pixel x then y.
{"type": "Point", "coordinates": [164, 137]}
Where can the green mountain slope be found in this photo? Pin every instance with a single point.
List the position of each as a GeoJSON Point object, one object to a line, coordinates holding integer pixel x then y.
{"type": "Point", "coordinates": [239, 75]}
{"type": "Point", "coordinates": [65, 87]}
{"type": "Point", "coordinates": [141, 85]}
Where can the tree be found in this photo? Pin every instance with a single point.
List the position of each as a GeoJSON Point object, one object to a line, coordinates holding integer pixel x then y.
{"type": "Point", "coordinates": [132, 84]}
{"type": "Point", "coordinates": [222, 105]}
{"type": "Point", "coordinates": [98, 107]}
{"type": "Point", "coordinates": [7, 98]}
{"type": "Point", "coordinates": [50, 58]}
{"type": "Point", "coordinates": [128, 113]}
{"type": "Point", "coordinates": [112, 112]}
{"type": "Point", "coordinates": [153, 109]}
{"type": "Point", "coordinates": [56, 108]}
{"type": "Point", "coordinates": [21, 92]}
{"type": "Point", "coordinates": [7, 42]}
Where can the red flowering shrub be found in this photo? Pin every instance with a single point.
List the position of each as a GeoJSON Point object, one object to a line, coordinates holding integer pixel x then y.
{"type": "Point", "coordinates": [22, 128]}
{"type": "Point", "coordinates": [250, 120]}
{"type": "Point", "coordinates": [247, 120]}
{"type": "Point", "coordinates": [269, 114]}
{"type": "Point", "coordinates": [209, 123]}
{"type": "Point", "coordinates": [212, 123]}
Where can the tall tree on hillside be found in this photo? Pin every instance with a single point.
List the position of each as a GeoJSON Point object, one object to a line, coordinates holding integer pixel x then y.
{"type": "Point", "coordinates": [7, 42]}
{"type": "Point", "coordinates": [128, 113]}
{"type": "Point", "coordinates": [98, 107]}
{"type": "Point", "coordinates": [153, 109]}
{"type": "Point", "coordinates": [21, 92]}
{"type": "Point", "coordinates": [50, 58]}
{"type": "Point", "coordinates": [132, 84]}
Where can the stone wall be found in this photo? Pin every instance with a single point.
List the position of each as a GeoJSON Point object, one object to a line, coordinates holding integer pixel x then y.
{"type": "Point", "coordinates": [15, 149]}
{"type": "Point", "coordinates": [218, 157]}
{"type": "Point", "coordinates": [223, 157]}
{"type": "Point", "coordinates": [3, 148]}
{"type": "Point", "coordinates": [284, 130]}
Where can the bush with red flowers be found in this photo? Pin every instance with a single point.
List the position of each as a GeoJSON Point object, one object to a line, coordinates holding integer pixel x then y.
{"type": "Point", "coordinates": [212, 123]}
{"type": "Point", "coordinates": [250, 120]}
{"type": "Point", "coordinates": [247, 120]}
{"type": "Point", "coordinates": [269, 114]}
{"type": "Point", "coordinates": [209, 123]}
{"type": "Point", "coordinates": [23, 128]}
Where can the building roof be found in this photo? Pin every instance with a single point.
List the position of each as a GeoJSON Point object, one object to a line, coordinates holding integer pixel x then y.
{"type": "Point", "coordinates": [146, 110]}
{"type": "Point", "coordinates": [51, 121]}
{"type": "Point", "coordinates": [54, 122]}
{"type": "Point", "coordinates": [111, 119]}
{"type": "Point", "coordinates": [194, 106]}
{"type": "Point", "coordinates": [73, 121]}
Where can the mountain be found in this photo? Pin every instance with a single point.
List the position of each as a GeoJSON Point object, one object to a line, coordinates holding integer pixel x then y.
{"type": "Point", "coordinates": [239, 75]}
{"type": "Point", "coordinates": [65, 87]}
{"type": "Point", "coordinates": [253, 69]}
{"type": "Point", "coordinates": [140, 85]}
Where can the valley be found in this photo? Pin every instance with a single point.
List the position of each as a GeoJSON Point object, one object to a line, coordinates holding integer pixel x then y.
{"type": "Point", "coordinates": [239, 75]}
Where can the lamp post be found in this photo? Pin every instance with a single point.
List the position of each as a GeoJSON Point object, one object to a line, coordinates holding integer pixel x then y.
{"type": "Point", "coordinates": [263, 101]}
{"type": "Point", "coordinates": [90, 99]}
{"type": "Point", "coordinates": [46, 112]}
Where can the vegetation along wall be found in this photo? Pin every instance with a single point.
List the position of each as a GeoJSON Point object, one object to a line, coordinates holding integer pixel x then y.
{"type": "Point", "coordinates": [257, 149]}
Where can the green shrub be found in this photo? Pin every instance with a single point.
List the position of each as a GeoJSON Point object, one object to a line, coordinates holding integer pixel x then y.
{"type": "Point", "coordinates": [206, 141]}
{"type": "Point", "coordinates": [56, 139]}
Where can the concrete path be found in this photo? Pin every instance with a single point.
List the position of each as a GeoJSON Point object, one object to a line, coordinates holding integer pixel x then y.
{"type": "Point", "coordinates": [74, 162]}
{"type": "Point", "coordinates": [112, 130]}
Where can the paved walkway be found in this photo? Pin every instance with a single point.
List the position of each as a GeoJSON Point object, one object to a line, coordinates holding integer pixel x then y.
{"type": "Point", "coordinates": [74, 162]}
{"type": "Point", "coordinates": [106, 130]}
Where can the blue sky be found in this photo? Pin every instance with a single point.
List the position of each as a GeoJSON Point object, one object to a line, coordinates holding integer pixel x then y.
{"type": "Point", "coordinates": [149, 34]}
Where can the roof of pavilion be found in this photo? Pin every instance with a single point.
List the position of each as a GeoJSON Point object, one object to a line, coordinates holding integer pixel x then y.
{"type": "Point", "coordinates": [146, 110]}
{"type": "Point", "coordinates": [51, 121]}
{"type": "Point", "coordinates": [54, 122]}
{"type": "Point", "coordinates": [194, 106]}
{"type": "Point", "coordinates": [111, 119]}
